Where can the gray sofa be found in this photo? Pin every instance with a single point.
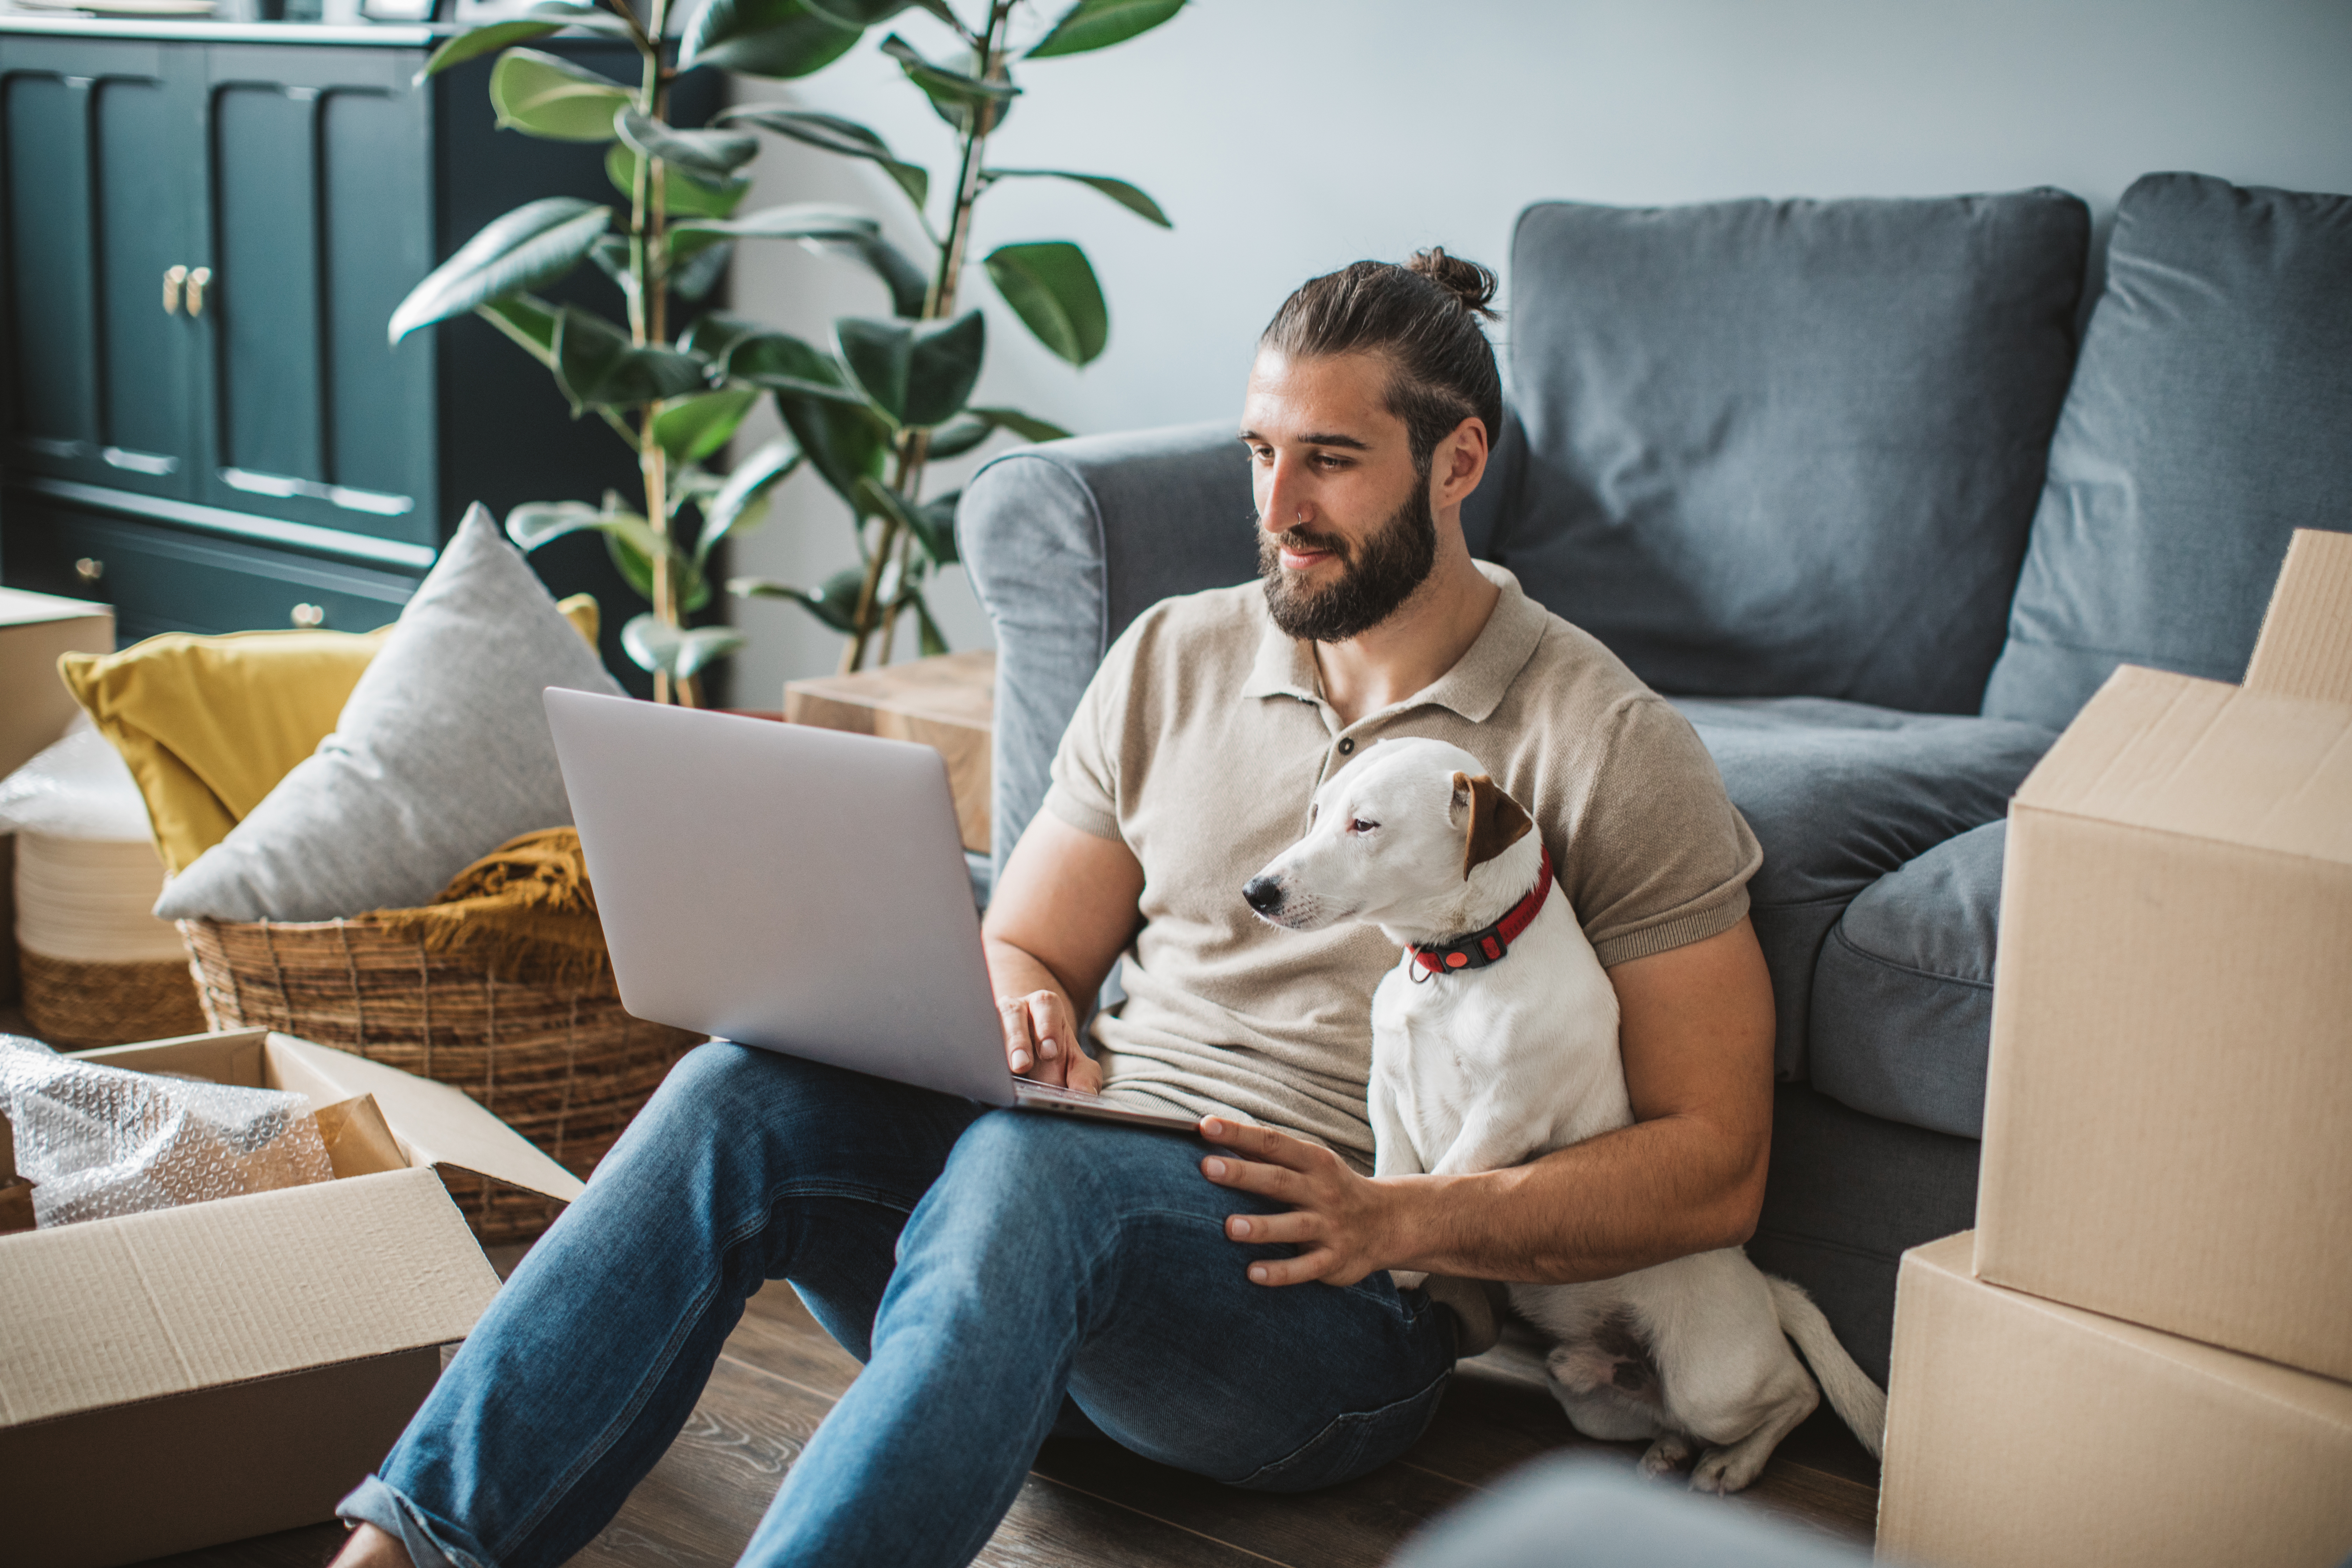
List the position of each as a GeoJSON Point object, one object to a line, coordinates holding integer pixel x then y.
{"type": "Point", "coordinates": [1833, 477]}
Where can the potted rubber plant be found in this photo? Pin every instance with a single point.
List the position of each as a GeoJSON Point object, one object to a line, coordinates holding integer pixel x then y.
{"type": "Point", "coordinates": [868, 407]}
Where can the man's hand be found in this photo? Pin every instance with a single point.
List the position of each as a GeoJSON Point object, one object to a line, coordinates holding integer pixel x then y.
{"type": "Point", "coordinates": [1345, 1226]}
{"type": "Point", "coordinates": [1041, 1041]}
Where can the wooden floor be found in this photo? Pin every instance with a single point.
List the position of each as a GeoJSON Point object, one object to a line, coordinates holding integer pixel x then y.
{"type": "Point", "coordinates": [1092, 1502]}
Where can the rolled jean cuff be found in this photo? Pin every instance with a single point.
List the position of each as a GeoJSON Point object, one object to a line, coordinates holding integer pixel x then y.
{"type": "Point", "coordinates": [373, 1502]}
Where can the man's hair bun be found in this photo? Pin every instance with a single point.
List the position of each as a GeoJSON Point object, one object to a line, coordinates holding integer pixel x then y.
{"type": "Point", "coordinates": [1466, 281]}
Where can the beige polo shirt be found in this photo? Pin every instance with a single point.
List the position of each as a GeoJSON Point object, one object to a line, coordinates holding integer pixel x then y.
{"type": "Point", "coordinates": [1200, 744]}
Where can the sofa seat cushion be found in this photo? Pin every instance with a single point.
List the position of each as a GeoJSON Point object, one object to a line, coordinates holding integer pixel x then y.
{"type": "Point", "coordinates": [1903, 995]}
{"type": "Point", "coordinates": [1840, 794]}
{"type": "Point", "coordinates": [1789, 449]}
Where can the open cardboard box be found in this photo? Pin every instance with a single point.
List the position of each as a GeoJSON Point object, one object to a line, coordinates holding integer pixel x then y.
{"type": "Point", "coordinates": [2025, 1434]}
{"type": "Point", "coordinates": [186, 1376]}
{"type": "Point", "coordinates": [2168, 1108]}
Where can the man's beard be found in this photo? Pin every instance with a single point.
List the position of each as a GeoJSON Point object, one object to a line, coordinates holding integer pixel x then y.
{"type": "Point", "coordinates": [1376, 576]}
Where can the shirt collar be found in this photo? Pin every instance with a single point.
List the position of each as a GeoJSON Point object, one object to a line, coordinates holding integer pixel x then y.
{"type": "Point", "coordinates": [1473, 688]}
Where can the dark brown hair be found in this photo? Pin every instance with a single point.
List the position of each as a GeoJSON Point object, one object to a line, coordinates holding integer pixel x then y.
{"type": "Point", "coordinates": [1423, 317]}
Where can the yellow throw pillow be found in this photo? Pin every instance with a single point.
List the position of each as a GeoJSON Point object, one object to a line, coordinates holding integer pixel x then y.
{"type": "Point", "coordinates": [210, 724]}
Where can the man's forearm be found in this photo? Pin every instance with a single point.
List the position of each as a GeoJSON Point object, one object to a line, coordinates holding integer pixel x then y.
{"type": "Point", "coordinates": [1637, 1197]}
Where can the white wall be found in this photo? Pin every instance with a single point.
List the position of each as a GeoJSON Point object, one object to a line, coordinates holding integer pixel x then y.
{"type": "Point", "coordinates": [1286, 137]}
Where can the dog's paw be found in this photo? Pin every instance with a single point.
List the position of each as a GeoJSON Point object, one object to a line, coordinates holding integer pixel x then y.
{"type": "Point", "coordinates": [1726, 1471]}
{"type": "Point", "coordinates": [1669, 1453]}
{"type": "Point", "coordinates": [1407, 1279]}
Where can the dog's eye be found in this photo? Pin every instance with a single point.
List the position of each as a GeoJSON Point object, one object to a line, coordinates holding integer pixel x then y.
{"type": "Point", "coordinates": [1359, 826]}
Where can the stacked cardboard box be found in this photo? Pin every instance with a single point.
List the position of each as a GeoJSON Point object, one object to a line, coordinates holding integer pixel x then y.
{"type": "Point", "coordinates": [2142, 1354]}
{"type": "Point", "coordinates": [186, 1376]}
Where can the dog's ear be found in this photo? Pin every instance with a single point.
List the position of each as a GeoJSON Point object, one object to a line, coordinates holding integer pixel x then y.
{"type": "Point", "coordinates": [1497, 821]}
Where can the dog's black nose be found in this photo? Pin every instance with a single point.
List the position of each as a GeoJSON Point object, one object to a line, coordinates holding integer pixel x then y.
{"type": "Point", "coordinates": [1264, 893]}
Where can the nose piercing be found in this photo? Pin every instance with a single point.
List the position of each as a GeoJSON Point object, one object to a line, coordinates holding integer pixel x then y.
{"type": "Point", "coordinates": [1298, 515]}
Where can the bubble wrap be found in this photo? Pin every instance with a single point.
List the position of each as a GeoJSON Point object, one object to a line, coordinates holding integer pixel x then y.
{"type": "Point", "coordinates": [100, 1142]}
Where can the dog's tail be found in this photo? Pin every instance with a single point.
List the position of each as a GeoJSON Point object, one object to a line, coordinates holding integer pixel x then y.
{"type": "Point", "coordinates": [1860, 1403]}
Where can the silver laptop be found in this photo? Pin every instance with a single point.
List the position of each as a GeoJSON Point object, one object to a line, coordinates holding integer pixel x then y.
{"type": "Point", "coordinates": [799, 890]}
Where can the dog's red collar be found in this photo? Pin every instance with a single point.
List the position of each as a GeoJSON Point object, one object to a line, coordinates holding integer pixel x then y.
{"type": "Point", "coordinates": [1481, 948]}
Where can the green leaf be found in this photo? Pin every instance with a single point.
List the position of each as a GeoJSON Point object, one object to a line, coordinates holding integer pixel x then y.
{"type": "Point", "coordinates": [978, 425]}
{"type": "Point", "coordinates": [820, 226]}
{"type": "Point", "coordinates": [691, 429]}
{"type": "Point", "coordinates": [684, 195]}
{"type": "Point", "coordinates": [845, 441]}
{"type": "Point", "coordinates": [864, 14]}
{"type": "Point", "coordinates": [1120, 191]}
{"type": "Point", "coordinates": [805, 221]}
{"type": "Point", "coordinates": [698, 270]}
{"type": "Point", "coordinates": [911, 287]}
{"type": "Point", "coordinates": [765, 37]}
{"type": "Point", "coordinates": [782, 362]}
{"type": "Point", "coordinates": [709, 154]}
{"type": "Point", "coordinates": [676, 651]}
{"type": "Point", "coordinates": [596, 364]}
{"type": "Point", "coordinates": [536, 244]}
{"type": "Point", "coordinates": [955, 96]}
{"type": "Point", "coordinates": [1098, 23]}
{"type": "Point", "coordinates": [1051, 287]}
{"type": "Point", "coordinates": [742, 503]}
{"type": "Point", "coordinates": [916, 373]}
{"type": "Point", "coordinates": [631, 559]}
{"type": "Point", "coordinates": [538, 522]}
{"type": "Point", "coordinates": [834, 604]}
{"type": "Point", "coordinates": [835, 134]}
{"type": "Point", "coordinates": [542, 96]}
{"type": "Point", "coordinates": [932, 641]}
{"type": "Point", "coordinates": [1028, 427]}
{"type": "Point", "coordinates": [481, 41]}
{"type": "Point", "coordinates": [934, 523]}
{"type": "Point", "coordinates": [716, 332]}
{"type": "Point", "coordinates": [526, 319]}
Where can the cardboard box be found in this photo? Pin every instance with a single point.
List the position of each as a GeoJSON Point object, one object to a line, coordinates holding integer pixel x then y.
{"type": "Point", "coordinates": [34, 707]}
{"type": "Point", "coordinates": [948, 703]}
{"type": "Point", "coordinates": [2020, 1432]}
{"type": "Point", "coordinates": [2169, 1105]}
{"type": "Point", "coordinates": [192, 1376]}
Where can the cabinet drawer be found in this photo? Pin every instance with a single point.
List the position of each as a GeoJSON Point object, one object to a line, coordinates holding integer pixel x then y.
{"type": "Point", "coordinates": [159, 579]}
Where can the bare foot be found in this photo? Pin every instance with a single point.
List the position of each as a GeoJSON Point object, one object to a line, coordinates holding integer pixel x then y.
{"type": "Point", "coordinates": [372, 1548]}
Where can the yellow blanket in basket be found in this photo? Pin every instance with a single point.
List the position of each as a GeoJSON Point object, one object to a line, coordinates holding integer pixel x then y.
{"type": "Point", "coordinates": [524, 911]}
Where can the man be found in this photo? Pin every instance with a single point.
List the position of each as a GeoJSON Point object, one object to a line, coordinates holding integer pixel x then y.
{"type": "Point", "coordinates": [1225, 1309]}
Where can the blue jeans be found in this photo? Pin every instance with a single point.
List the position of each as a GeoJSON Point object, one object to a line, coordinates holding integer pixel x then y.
{"type": "Point", "coordinates": [987, 1266]}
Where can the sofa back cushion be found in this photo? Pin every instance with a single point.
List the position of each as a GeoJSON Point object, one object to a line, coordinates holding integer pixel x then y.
{"type": "Point", "coordinates": [1067, 543]}
{"type": "Point", "coordinates": [1790, 448]}
{"type": "Point", "coordinates": [2211, 416]}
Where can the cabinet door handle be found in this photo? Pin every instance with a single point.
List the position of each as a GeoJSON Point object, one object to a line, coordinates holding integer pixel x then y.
{"type": "Point", "coordinates": [173, 277]}
{"type": "Point", "coordinates": [90, 569]}
{"type": "Point", "coordinates": [310, 617]}
{"type": "Point", "coordinates": [197, 279]}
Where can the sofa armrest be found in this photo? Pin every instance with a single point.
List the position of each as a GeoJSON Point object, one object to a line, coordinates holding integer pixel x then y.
{"type": "Point", "coordinates": [1067, 543]}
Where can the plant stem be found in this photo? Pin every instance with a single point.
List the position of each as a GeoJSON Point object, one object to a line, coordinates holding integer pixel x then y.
{"type": "Point", "coordinates": [648, 324]}
{"type": "Point", "coordinates": [914, 446]}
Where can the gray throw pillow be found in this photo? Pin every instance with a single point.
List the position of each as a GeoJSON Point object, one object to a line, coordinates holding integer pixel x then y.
{"type": "Point", "coordinates": [441, 755]}
{"type": "Point", "coordinates": [2210, 418]}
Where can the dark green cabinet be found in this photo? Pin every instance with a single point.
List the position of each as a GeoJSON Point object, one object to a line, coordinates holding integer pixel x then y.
{"type": "Point", "coordinates": [201, 235]}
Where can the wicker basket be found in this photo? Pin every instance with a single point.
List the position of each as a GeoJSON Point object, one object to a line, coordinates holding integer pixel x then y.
{"type": "Point", "coordinates": [564, 1067]}
{"type": "Point", "coordinates": [74, 1004]}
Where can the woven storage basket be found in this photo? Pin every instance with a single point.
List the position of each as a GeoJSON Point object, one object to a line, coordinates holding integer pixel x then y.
{"type": "Point", "coordinates": [74, 1004]}
{"type": "Point", "coordinates": [564, 1067]}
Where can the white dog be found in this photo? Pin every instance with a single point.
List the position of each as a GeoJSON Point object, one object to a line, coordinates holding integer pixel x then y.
{"type": "Point", "coordinates": [1491, 1048]}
